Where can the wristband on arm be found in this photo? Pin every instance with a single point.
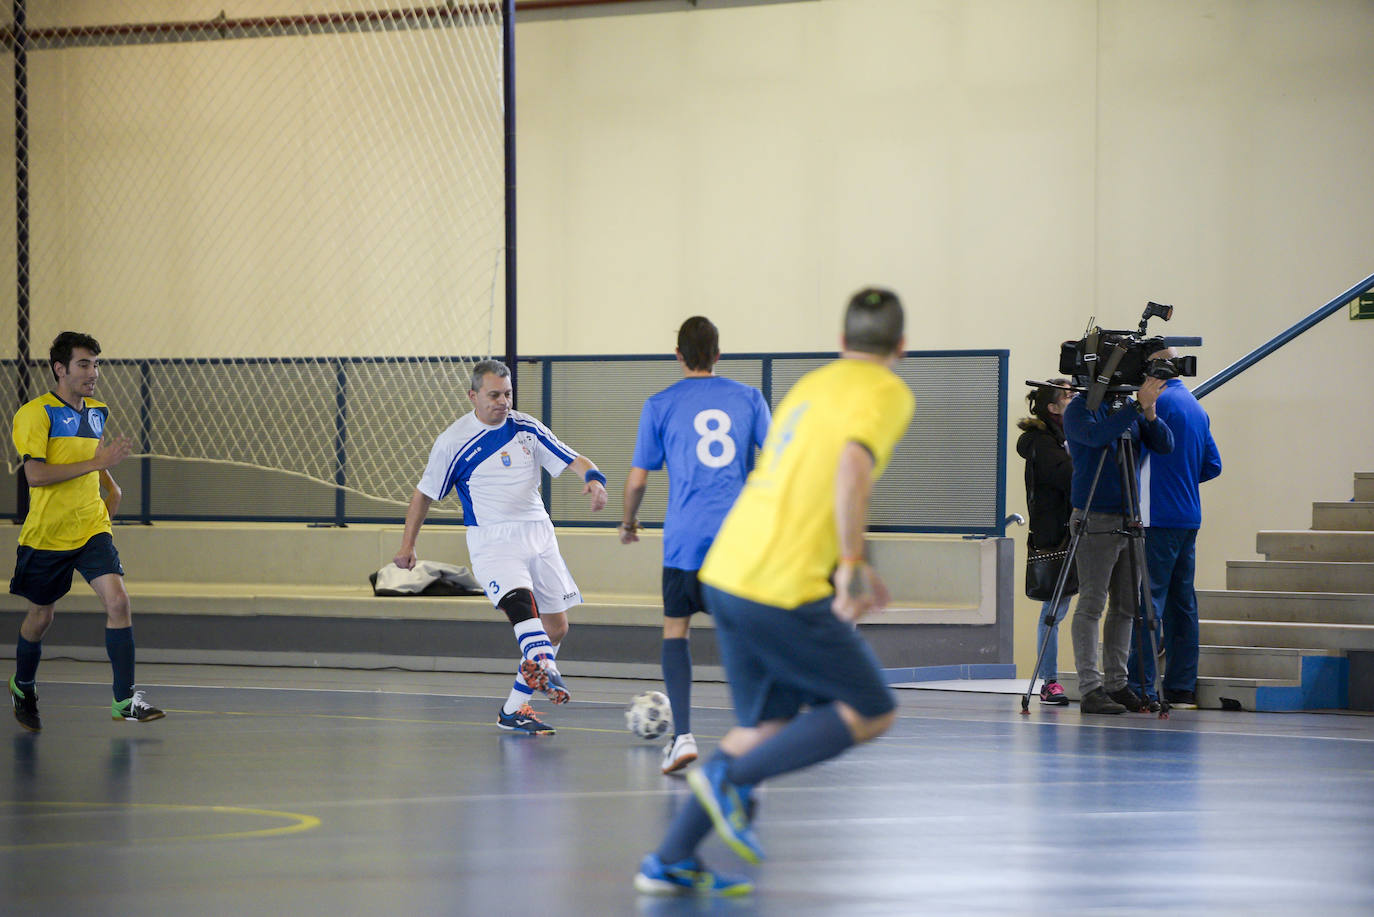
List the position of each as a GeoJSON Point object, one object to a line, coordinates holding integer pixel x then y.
{"type": "Point", "coordinates": [594, 475]}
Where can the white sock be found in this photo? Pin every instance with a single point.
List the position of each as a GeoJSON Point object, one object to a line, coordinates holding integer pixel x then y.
{"type": "Point", "coordinates": [520, 694]}
{"type": "Point", "coordinates": [534, 642]}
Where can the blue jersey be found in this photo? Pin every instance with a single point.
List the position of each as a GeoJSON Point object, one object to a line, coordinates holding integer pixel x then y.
{"type": "Point", "coordinates": [706, 429]}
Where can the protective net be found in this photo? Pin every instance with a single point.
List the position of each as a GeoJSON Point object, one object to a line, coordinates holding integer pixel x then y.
{"type": "Point", "coordinates": [283, 220]}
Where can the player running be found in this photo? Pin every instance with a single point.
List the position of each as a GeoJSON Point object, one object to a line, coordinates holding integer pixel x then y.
{"type": "Point", "coordinates": [60, 437]}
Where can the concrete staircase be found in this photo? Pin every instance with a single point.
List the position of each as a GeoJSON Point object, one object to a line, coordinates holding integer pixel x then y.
{"type": "Point", "coordinates": [1295, 631]}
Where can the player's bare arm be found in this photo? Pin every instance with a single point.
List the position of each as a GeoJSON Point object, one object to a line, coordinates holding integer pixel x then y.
{"type": "Point", "coordinates": [415, 517]}
{"type": "Point", "coordinates": [110, 452]}
{"type": "Point", "coordinates": [858, 588]}
{"type": "Point", "coordinates": [635, 484]}
{"type": "Point", "coordinates": [594, 487]}
{"type": "Point", "coordinates": [112, 492]}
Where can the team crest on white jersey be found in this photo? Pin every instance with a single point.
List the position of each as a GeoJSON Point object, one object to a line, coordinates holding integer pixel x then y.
{"type": "Point", "coordinates": [505, 458]}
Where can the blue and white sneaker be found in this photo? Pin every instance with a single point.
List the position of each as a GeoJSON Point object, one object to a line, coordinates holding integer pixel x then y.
{"type": "Point", "coordinates": [687, 877]}
{"type": "Point", "coordinates": [524, 720]}
{"type": "Point", "coordinates": [543, 675]}
{"type": "Point", "coordinates": [728, 806]}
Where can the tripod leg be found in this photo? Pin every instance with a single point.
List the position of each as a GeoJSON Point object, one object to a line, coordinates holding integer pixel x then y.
{"type": "Point", "coordinates": [1146, 623]}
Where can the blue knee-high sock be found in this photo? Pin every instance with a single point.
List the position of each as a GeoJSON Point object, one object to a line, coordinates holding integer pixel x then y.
{"type": "Point", "coordinates": [677, 679]}
{"type": "Point", "coordinates": [119, 646]}
{"type": "Point", "coordinates": [809, 739]}
{"type": "Point", "coordinates": [689, 826]}
{"type": "Point", "coordinates": [26, 656]}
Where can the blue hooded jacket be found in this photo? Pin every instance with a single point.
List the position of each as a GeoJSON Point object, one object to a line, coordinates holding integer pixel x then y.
{"type": "Point", "coordinates": [1169, 496]}
{"type": "Point", "coordinates": [1090, 434]}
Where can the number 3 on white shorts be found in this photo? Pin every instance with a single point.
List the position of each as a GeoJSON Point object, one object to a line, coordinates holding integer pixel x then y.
{"type": "Point", "coordinates": [720, 433]}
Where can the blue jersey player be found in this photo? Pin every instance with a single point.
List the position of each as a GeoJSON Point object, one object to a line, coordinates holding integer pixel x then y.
{"type": "Point", "coordinates": [706, 430]}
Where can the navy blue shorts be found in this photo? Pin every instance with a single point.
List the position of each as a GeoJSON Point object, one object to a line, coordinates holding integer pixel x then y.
{"type": "Point", "coordinates": [779, 660]}
{"type": "Point", "coordinates": [43, 577]}
{"type": "Point", "coordinates": [681, 593]}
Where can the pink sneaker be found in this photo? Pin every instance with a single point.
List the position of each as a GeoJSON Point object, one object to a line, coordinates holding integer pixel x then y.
{"type": "Point", "coordinates": [1053, 693]}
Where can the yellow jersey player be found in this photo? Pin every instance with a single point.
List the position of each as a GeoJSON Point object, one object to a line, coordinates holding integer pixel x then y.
{"type": "Point", "coordinates": [66, 457]}
{"type": "Point", "coordinates": [786, 633]}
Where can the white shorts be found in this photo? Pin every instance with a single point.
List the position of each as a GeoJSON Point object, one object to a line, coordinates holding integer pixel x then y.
{"type": "Point", "coordinates": [522, 555]}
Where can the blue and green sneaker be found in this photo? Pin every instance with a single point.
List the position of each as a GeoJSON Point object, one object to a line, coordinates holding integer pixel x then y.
{"type": "Point", "coordinates": [687, 877]}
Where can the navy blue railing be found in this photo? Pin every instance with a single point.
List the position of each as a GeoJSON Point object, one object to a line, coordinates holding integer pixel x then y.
{"type": "Point", "coordinates": [1259, 353]}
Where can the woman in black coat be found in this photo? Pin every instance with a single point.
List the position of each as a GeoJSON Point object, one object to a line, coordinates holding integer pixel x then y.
{"type": "Point", "coordinates": [1049, 475]}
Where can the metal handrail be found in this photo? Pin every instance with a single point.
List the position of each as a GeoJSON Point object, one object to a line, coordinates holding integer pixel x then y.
{"type": "Point", "coordinates": [1259, 353]}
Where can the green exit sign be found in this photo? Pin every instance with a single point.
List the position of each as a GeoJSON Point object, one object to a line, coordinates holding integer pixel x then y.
{"type": "Point", "coordinates": [1363, 307]}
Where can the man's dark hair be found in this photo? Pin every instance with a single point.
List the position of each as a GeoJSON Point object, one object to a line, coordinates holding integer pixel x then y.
{"type": "Point", "coordinates": [487, 368]}
{"type": "Point", "coordinates": [64, 344]}
{"type": "Point", "coordinates": [699, 342]}
{"type": "Point", "coordinates": [873, 322]}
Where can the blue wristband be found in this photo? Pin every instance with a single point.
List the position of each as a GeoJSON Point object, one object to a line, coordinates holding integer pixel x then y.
{"type": "Point", "coordinates": [594, 475]}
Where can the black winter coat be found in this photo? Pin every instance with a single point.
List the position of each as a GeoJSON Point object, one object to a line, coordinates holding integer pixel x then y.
{"type": "Point", "coordinates": [1049, 477]}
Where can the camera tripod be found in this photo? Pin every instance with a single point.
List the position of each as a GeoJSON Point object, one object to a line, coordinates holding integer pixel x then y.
{"type": "Point", "coordinates": [1134, 531]}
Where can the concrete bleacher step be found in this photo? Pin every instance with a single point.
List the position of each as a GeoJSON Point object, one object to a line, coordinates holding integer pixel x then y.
{"type": "Point", "coordinates": [1270, 662]}
{"type": "Point", "coordinates": [1364, 485]}
{"type": "Point", "coordinates": [1334, 637]}
{"type": "Point", "coordinates": [1302, 608]}
{"type": "Point", "coordinates": [1316, 545]}
{"type": "Point", "coordinates": [1343, 517]}
{"type": "Point", "coordinates": [286, 594]}
{"type": "Point", "coordinates": [1300, 576]}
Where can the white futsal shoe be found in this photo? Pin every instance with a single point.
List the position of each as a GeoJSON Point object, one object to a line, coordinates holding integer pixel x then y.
{"type": "Point", "coordinates": [679, 752]}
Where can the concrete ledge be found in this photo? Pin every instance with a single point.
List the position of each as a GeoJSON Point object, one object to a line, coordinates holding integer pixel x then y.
{"type": "Point", "coordinates": [201, 591]}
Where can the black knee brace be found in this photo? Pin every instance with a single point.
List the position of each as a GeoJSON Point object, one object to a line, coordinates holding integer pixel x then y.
{"type": "Point", "coordinates": [518, 604]}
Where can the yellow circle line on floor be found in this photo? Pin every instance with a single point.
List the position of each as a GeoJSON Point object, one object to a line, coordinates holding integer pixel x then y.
{"type": "Point", "coordinates": [302, 823]}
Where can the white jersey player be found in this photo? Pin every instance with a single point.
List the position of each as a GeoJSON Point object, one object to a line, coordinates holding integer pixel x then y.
{"type": "Point", "coordinates": [491, 458]}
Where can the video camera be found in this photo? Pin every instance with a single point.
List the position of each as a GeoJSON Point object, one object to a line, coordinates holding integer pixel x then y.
{"type": "Point", "coordinates": [1119, 361]}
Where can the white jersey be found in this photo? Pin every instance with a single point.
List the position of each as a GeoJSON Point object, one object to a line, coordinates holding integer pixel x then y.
{"type": "Point", "coordinates": [494, 470]}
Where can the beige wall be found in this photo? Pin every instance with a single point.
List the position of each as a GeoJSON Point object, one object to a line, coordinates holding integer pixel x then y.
{"type": "Point", "coordinates": [1009, 166]}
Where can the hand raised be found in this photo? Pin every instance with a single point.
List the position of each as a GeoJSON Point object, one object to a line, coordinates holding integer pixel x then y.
{"type": "Point", "coordinates": [1149, 392]}
{"type": "Point", "coordinates": [112, 450]}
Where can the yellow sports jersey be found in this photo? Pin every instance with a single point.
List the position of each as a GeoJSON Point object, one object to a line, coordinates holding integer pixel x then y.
{"type": "Point", "coordinates": [778, 546]}
{"type": "Point", "coordinates": [63, 516]}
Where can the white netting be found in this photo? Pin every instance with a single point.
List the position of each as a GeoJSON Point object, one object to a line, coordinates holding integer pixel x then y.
{"type": "Point", "coordinates": [290, 212]}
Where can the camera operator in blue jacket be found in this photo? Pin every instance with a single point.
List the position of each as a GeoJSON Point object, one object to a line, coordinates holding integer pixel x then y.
{"type": "Point", "coordinates": [1104, 566]}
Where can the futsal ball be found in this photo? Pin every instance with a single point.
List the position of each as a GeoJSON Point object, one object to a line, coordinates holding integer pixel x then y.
{"type": "Point", "coordinates": [649, 715]}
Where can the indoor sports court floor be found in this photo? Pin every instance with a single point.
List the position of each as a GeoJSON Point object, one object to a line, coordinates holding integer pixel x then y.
{"type": "Point", "coordinates": [303, 792]}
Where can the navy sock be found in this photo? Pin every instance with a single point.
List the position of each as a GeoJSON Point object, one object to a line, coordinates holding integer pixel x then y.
{"type": "Point", "coordinates": [809, 739]}
{"type": "Point", "coordinates": [26, 657]}
{"type": "Point", "coordinates": [677, 679]}
{"type": "Point", "coordinates": [688, 828]}
{"type": "Point", "coordinates": [119, 646]}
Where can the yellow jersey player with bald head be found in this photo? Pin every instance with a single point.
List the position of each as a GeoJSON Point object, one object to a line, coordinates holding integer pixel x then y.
{"type": "Point", "coordinates": [805, 685]}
